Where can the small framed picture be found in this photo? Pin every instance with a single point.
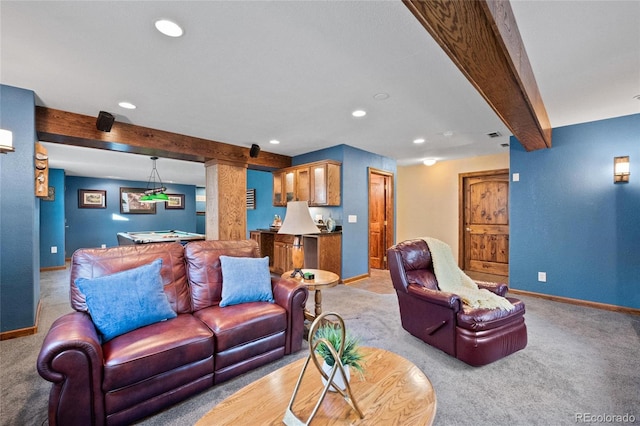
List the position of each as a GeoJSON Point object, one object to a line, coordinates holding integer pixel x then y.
{"type": "Point", "coordinates": [130, 202]}
{"type": "Point", "coordinates": [176, 201]}
{"type": "Point", "coordinates": [92, 199]}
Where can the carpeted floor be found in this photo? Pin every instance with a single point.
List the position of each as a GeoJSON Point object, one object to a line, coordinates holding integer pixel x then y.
{"type": "Point", "coordinates": [578, 361]}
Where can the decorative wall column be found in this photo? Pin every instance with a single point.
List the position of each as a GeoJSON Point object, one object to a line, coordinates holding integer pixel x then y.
{"type": "Point", "coordinates": [226, 189]}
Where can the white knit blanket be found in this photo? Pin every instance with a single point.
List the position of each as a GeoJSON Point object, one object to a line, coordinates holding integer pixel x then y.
{"type": "Point", "coordinates": [453, 280]}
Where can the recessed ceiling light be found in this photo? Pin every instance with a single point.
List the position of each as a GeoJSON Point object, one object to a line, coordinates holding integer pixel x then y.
{"type": "Point", "coordinates": [274, 141]}
{"type": "Point", "coordinates": [359, 113]}
{"type": "Point", "coordinates": [637, 97]}
{"type": "Point", "coordinates": [429, 162]}
{"type": "Point", "coordinates": [419, 140]}
{"type": "Point", "coordinates": [448, 133]}
{"type": "Point", "coordinates": [127, 105]}
{"type": "Point", "coordinates": [169, 28]}
{"type": "Point", "coordinates": [381, 96]}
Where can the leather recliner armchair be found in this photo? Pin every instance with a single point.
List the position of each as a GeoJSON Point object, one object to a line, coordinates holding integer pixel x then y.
{"type": "Point", "coordinates": [473, 335]}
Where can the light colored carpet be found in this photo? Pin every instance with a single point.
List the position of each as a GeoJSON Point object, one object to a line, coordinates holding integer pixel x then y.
{"type": "Point", "coordinates": [578, 360]}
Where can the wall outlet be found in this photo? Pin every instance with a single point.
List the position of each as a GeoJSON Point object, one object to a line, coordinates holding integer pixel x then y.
{"type": "Point", "coordinates": [103, 246]}
{"type": "Point", "coordinates": [54, 249]}
{"type": "Point", "coordinates": [353, 218]}
{"type": "Point", "coordinates": [516, 177]}
{"type": "Point", "coordinates": [542, 277]}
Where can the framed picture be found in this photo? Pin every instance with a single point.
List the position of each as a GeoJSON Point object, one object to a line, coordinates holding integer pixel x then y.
{"type": "Point", "coordinates": [176, 201]}
{"type": "Point", "coordinates": [52, 194]}
{"type": "Point", "coordinates": [92, 199]}
{"type": "Point", "coordinates": [130, 202]}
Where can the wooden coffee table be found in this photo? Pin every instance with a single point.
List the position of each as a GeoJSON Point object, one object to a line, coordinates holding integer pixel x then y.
{"type": "Point", "coordinates": [322, 279]}
{"type": "Point", "coordinates": [393, 391]}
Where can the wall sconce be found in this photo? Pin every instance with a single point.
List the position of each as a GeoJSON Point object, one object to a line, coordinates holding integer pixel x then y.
{"type": "Point", "coordinates": [621, 169]}
{"type": "Point", "coordinates": [6, 141]}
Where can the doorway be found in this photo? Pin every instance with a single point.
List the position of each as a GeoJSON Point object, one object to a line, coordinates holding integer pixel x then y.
{"type": "Point", "coordinates": [484, 222]}
{"type": "Point", "coordinates": [381, 230]}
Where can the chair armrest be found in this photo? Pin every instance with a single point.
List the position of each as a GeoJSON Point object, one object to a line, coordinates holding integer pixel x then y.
{"type": "Point", "coordinates": [71, 358]}
{"type": "Point", "coordinates": [292, 296]}
{"type": "Point", "coordinates": [498, 288]}
{"type": "Point", "coordinates": [442, 298]}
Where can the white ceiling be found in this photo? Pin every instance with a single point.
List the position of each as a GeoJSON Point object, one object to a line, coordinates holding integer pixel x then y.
{"type": "Point", "coordinates": [247, 72]}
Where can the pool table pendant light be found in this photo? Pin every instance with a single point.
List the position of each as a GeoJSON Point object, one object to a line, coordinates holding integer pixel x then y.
{"type": "Point", "coordinates": [154, 193]}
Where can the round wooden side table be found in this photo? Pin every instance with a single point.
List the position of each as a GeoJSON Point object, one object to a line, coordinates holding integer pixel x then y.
{"type": "Point", "coordinates": [322, 279]}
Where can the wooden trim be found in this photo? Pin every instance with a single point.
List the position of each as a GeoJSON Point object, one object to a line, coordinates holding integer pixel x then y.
{"type": "Point", "coordinates": [584, 303]}
{"type": "Point", "coordinates": [482, 39]}
{"type": "Point", "coordinates": [21, 332]}
{"type": "Point", "coordinates": [53, 268]}
{"type": "Point", "coordinates": [80, 130]}
{"type": "Point", "coordinates": [461, 207]}
{"type": "Point", "coordinates": [356, 278]}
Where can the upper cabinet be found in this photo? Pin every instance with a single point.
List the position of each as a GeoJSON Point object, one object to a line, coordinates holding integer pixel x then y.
{"type": "Point", "coordinates": [318, 183]}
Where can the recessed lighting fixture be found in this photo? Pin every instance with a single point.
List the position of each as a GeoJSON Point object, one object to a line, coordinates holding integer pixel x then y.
{"type": "Point", "coordinates": [419, 140]}
{"type": "Point", "coordinates": [448, 133]}
{"type": "Point", "coordinates": [637, 97]}
{"type": "Point", "coordinates": [359, 113]}
{"type": "Point", "coordinates": [127, 105]}
{"type": "Point", "coordinates": [169, 28]}
{"type": "Point", "coordinates": [429, 162]}
{"type": "Point", "coordinates": [381, 96]}
{"type": "Point", "coordinates": [274, 141]}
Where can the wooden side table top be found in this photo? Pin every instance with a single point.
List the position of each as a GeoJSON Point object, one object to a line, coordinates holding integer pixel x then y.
{"type": "Point", "coordinates": [393, 391]}
{"type": "Point", "coordinates": [322, 279]}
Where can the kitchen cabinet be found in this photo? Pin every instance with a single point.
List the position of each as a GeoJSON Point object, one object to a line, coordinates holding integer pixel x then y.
{"type": "Point", "coordinates": [321, 251]}
{"type": "Point", "coordinates": [318, 183]}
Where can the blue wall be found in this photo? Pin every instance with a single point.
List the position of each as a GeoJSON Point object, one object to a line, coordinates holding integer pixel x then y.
{"type": "Point", "coordinates": [262, 216]}
{"type": "Point", "coordinates": [571, 221]}
{"type": "Point", "coordinates": [355, 201]}
{"type": "Point", "coordinates": [94, 227]}
{"type": "Point", "coordinates": [52, 223]}
{"type": "Point", "coordinates": [19, 213]}
{"type": "Point", "coordinates": [201, 207]}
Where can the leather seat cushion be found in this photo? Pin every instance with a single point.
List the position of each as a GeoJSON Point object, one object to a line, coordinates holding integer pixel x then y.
{"type": "Point", "coordinates": [423, 278]}
{"type": "Point", "coordinates": [486, 319]}
{"type": "Point", "coordinates": [239, 324]}
{"type": "Point", "coordinates": [155, 349]}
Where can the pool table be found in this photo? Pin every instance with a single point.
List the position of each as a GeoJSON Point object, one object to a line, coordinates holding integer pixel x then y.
{"type": "Point", "coordinates": [148, 237]}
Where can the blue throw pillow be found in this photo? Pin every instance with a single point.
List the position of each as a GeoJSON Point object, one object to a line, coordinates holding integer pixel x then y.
{"type": "Point", "coordinates": [121, 302]}
{"type": "Point", "coordinates": [245, 279]}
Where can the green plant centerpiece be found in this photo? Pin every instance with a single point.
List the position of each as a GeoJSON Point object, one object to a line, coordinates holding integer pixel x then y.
{"type": "Point", "coordinates": [351, 355]}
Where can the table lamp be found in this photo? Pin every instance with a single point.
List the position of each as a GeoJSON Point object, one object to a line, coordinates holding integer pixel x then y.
{"type": "Point", "coordinates": [298, 222]}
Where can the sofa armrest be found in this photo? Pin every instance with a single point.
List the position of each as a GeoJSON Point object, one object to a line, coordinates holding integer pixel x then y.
{"type": "Point", "coordinates": [441, 298]}
{"type": "Point", "coordinates": [292, 296]}
{"type": "Point", "coordinates": [498, 288]}
{"type": "Point", "coordinates": [71, 358]}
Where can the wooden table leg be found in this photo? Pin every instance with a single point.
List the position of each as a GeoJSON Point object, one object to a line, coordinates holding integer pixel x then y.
{"type": "Point", "coordinates": [318, 298]}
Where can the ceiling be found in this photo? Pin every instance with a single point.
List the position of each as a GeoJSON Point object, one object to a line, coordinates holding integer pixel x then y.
{"type": "Point", "coordinates": [246, 72]}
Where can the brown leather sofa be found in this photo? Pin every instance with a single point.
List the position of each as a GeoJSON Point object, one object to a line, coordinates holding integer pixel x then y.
{"type": "Point", "coordinates": [148, 369]}
{"type": "Point", "coordinates": [474, 336]}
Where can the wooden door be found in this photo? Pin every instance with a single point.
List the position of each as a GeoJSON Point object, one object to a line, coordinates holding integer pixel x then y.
{"type": "Point", "coordinates": [380, 217]}
{"type": "Point", "coordinates": [485, 222]}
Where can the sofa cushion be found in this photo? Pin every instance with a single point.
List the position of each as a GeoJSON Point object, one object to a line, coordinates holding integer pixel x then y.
{"type": "Point", "coordinates": [205, 271]}
{"type": "Point", "coordinates": [239, 324]}
{"type": "Point", "coordinates": [245, 279]}
{"type": "Point", "coordinates": [423, 278]}
{"type": "Point", "coordinates": [98, 262]}
{"type": "Point", "coordinates": [127, 300]}
{"type": "Point", "coordinates": [155, 349]}
{"type": "Point", "coordinates": [485, 319]}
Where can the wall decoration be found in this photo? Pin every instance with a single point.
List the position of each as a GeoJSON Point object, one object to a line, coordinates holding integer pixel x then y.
{"type": "Point", "coordinates": [176, 201]}
{"type": "Point", "coordinates": [251, 199]}
{"type": "Point", "coordinates": [41, 170]}
{"type": "Point", "coordinates": [92, 199]}
{"type": "Point", "coordinates": [130, 202]}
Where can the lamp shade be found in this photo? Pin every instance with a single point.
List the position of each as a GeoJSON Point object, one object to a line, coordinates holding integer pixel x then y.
{"type": "Point", "coordinates": [297, 220]}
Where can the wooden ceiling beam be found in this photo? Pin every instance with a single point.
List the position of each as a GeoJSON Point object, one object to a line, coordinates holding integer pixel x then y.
{"type": "Point", "coordinates": [80, 130]}
{"type": "Point", "coordinates": [481, 37]}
